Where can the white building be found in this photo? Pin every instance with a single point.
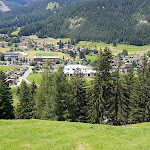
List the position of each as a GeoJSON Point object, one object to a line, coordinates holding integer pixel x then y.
{"type": "Point", "coordinates": [85, 70]}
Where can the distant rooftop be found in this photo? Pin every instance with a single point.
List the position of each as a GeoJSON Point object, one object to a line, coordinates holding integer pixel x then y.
{"type": "Point", "coordinates": [11, 54]}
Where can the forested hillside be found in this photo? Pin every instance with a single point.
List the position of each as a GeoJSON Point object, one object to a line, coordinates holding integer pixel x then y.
{"type": "Point", "coordinates": [35, 11]}
{"type": "Point", "coordinates": [7, 5]}
{"type": "Point", "coordinates": [123, 21]}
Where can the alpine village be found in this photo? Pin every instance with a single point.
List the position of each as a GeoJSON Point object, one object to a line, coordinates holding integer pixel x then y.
{"type": "Point", "coordinates": [74, 74]}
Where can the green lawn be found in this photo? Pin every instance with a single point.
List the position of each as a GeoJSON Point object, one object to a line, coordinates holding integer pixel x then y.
{"type": "Point", "coordinates": [6, 49]}
{"type": "Point", "coordinates": [5, 68]}
{"type": "Point", "coordinates": [33, 53]}
{"type": "Point", "coordinates": [37, 77]}
{"type": "Point", "coordinates": [44, 54]}
{"type": "Point", "coordinates": [92, 58]}
{"type": "Point", "coordinates": [15, 97]}
{"type": "Point", "coordinates": [52, 135]}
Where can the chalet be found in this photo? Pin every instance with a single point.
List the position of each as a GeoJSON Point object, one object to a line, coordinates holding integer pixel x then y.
{"type": "Point", "coordinates": [43, 59]}
{"type": "Point", "coordinates": [23, 44]}
{"type": "Point", "coordinates": [11, 82]}
{"type": "Point", "coordinates": [20, 73]}
{"type": "Point", "coordinates": [25, 38]}
{"type": "Point", "coordinates": [69, 59]}
{"type": "Point", "coordinates": [70, 70]}
{"type": "Point", "coordinates": [3, 35]}
{"type": "Point", "coordinates": [24, 48]}
{"type": "Point", "coordinates": [9, 72]}
{"type": "Point", "coordinates": [67, 46]}
{"type": "Point", "coordinates": [3, 43]}
{"type": "Point", "coordinates": [14, 77]}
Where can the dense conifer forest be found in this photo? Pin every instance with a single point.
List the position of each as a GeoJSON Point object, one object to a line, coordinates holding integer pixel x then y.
{"type": "Point", "coordinates": [122, 21]}
{"type": "Point", "coordinates": [35, 11]}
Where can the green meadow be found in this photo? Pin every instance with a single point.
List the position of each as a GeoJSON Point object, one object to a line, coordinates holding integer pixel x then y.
{"type": "Point", "coordinates": [119, 48]}
{"type": "Point", "coordinates": [6, 49]}
{"type": "Point", "coordinates": [5, 68]}
{"type": "Point", "coordinates": [54, 135]}
{"type": "Point", "coordinates": [36, 77]}
{"type": "Point", "coordinates": [44, 54]}
{"type": "Point", "coordinates": [33, 53]}
{"type": "Point", "coordinates": [92, 58]}
{"type": "Point", "coordinates": [15, 97]}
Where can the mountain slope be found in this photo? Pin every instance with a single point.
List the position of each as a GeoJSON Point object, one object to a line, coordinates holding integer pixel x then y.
{"type": "Point", "coordinates": [7, 5]}
{"type": "Point", "coordinates": [53, 135]}
{"type": "Point", "coordinates": [33, 12]}
{"type": "Point", "coordinates": [3, 7]}
{"type": "Point", "coordinates": [126, 21]}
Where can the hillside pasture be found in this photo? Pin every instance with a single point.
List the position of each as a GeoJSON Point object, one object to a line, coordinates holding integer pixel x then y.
{"type": "Point", "coordinates": [119, 48]}
{"type": "Point", "coordinates": [47, 41]}
{"type": "Point", "coordinates": [53, 135]}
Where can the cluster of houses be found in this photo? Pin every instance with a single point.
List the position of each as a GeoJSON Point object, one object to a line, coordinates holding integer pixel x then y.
{"type": "Point", "coordinates": [12, 76]}
{"type": "Point", "coordinates": [134, 61]}
{"type": "Point", "coordinates": [127, 61]}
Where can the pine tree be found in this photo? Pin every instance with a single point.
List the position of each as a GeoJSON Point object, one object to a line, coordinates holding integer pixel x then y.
{"type": "Point", "coordinates": [45, 93]}
{"type": "Point", "coordinates": [61, 96]}
{"type": "Point", "coordinates": [78, 106]}
{"type": "Point", "coordinates": [140, 99]}
{"type": "Point", "coordinates": [25, 108]}
{"type": "Point", "coordinates": [101, 88]}
{"type": "Point", "coordinates": [118, 105]}
{"type": "Point", "coordinates": [6, 108]}
{"type": "Point", "coordinates": [32, 96]}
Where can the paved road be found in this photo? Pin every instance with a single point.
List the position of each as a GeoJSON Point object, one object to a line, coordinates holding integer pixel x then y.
{"type": "Point", "coordinates": [24, 77]}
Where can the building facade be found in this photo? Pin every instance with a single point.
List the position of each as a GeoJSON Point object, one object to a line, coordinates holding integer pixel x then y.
{"type": "Point", "coordinates": [87, 71]}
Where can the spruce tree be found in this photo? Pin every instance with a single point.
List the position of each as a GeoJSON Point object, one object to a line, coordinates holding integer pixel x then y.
{"type": "Point", "coordinates": [119, 102]}
{"type": "Point", "coordinates": [6, 108]}
{"type": "Point", "coordinates": [140, 99]}
{"type": "Point", "coordinates": [100, 88]}
{"type": "Point", "coordinates": [32, 96]}
{"type": "Point", "coordinates": [45, 93]}
{"type": "Point", "coordinates": [25, 108]}
{"type": "Point", "coordinates": [61, 97]}
{"type": "Point", "coordinates": [78, 97]}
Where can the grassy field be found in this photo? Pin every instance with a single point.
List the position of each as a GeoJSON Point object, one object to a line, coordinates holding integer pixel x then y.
{"type": "Point", "coordinates": [16, 32]}
{"type": "Point", "coordinates": [33, 37]}
{"type": "Point", "coordinates": [3, 50]}
{"type": "Point", "coordinates": [44, 54]}
{"type": "Point", "coordinates": [5, 68]}
{"type": "Point", "coordinates": [131, 49]}
{"type": "Point", "coordinates": [15, 97]}
{"type": "Point", "coordinates": [47, 40]}
{"type": "Point", "coordinates": [36, 77]}
{"type": "Point", "coordinates": [52, 135]}
{"type": "Point", "coordinates": [92, 58]}
{"type": "Point", "coordinates": [33, 53]}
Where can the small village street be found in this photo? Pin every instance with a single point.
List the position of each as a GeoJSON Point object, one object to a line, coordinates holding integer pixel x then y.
{"type": "Point", "coordinates": [24, 77]}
